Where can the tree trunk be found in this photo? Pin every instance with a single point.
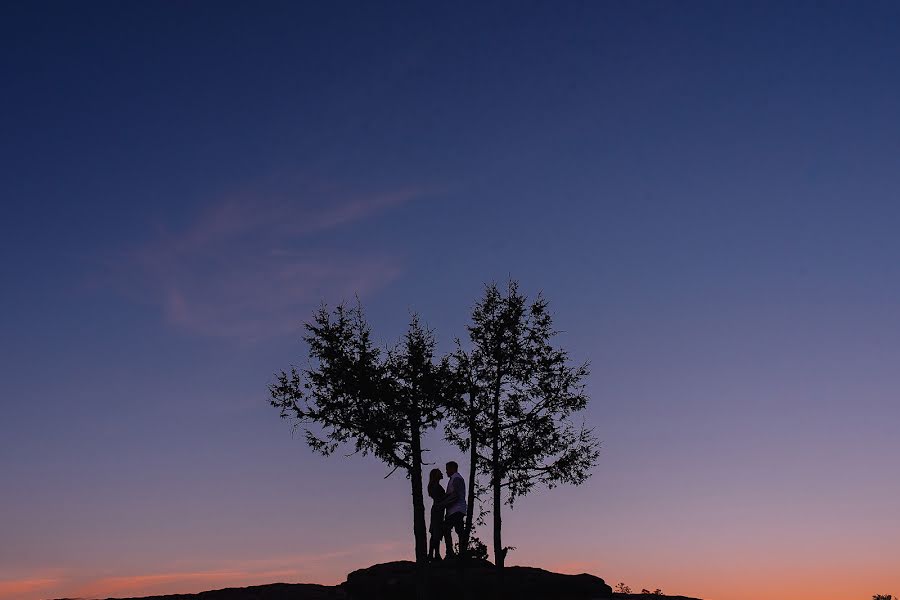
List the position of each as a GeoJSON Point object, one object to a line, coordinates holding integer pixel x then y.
{"type": "Point", "coordinates": [499, 552]}
{"type": "Point", "coordinates": [473, 472]}
{"type": "Point", "coordinates": [496, 480]}
{"type": "Point", "coordinates": [419, 530]}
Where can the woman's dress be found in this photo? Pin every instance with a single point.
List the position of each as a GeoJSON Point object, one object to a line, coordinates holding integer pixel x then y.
{"type": "Point", "coordinates": [437, 493]}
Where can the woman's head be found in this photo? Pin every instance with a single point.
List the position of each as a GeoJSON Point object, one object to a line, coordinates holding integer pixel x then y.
{"type": "Point", "coordinates": [435, 476]}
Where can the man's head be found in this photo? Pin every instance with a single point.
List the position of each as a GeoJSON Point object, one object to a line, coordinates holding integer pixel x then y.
{"type": "Point", "coordinates": [452, 467]}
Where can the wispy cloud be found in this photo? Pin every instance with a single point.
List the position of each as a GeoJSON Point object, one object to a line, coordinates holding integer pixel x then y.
{"type": "Point", "coordinates": [179, 581]}
{"type": "Point", "coordinates": [253, 264]}
{"type": "Point", "coordinates": [324, 567]}
{"type": "Point", "coordinates": [26, 587]}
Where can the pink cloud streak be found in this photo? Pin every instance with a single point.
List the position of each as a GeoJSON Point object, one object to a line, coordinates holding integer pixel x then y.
{"type": "Point", "coordinates": [27, 587]}
{"type": "Point", "coordinates": [325, 567]}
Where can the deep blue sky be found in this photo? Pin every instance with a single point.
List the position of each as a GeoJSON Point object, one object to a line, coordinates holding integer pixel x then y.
{"type": "Point", "coordinates": [706, 192]}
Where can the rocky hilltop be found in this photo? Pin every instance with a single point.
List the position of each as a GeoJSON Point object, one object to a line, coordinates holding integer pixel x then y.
{"type": "Point", "coordinates": [445, 580]}
{"type": "Point", "coordinates": [396, 581]}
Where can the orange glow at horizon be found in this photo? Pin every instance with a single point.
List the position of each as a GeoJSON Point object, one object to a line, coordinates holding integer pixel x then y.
{"type": "Point", "coordinates": [18, 588]}
{"type": "Point", "coordinates": [803, 582]}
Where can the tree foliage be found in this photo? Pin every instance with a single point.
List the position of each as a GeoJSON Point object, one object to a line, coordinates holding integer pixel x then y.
{"type": "Point", "coordinates": [377, 402]}
{"type": "Point", "coordinates": [522, 394]}
{"type": "Point", "coordinates": [509, 395]}
{"type": "Point", "coordinates": [465, 405]}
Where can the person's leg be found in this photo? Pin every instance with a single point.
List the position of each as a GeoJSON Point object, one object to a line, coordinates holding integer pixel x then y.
{"type": "Point", "coordinates": [434, 548]}
{"type": "Point", "coordinates": [448, 541]}
{"type": "Point", "coordinates": [460, 527]}
{"type": "Point", "coordinates": [454, 521]}
{"type": "Point", "coordinates": [458, 524]}
{"type": "Point", "coordinates": [437, 545]}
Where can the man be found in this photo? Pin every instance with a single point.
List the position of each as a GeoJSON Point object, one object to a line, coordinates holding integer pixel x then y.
{"type": "Point", "coordinates": [455, 503]}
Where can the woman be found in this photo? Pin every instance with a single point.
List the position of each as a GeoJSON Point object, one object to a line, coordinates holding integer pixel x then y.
{"type": "Point", "coordinates": [436, 492]}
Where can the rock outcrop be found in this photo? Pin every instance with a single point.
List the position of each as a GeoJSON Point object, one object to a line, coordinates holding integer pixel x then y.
{"type": "Point", "coordinates": [272, 591]}
{"type": "Point", "coordinates": [446, 580]}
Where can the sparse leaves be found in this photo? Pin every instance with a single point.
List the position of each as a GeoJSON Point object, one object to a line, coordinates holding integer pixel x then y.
{"type": "Point", "coordinates": [515, 398]}
{"type": "Point", "coordinates": [510, 396]}
{"type": "Point", "coordinates": [621, 588]}
{"type": "Point", "coordinates": [356, 396]}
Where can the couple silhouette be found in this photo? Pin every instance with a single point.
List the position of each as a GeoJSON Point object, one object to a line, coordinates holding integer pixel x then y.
{"type": "Point", "coordinates": [448, 510]}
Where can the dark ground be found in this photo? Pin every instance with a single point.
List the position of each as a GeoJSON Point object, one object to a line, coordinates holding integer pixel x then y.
{"type": "Point", "coordinates": [396, 581]}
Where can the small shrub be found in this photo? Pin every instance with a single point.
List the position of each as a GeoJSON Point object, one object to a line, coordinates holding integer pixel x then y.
{"type": "Point", "coordinates": [884, 597]}
{"type": "Point", "coordinates": [621, 588]}
{"type": "Point", "coordinates": [477, 548]}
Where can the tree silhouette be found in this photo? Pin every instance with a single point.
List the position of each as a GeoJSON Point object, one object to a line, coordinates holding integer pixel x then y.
{"type": "Point", "coordinates": [520, 394]}
{"type": "Point", "coordinates": [464, 407]}
{"type": "Point", "coordinates": [380, 403]}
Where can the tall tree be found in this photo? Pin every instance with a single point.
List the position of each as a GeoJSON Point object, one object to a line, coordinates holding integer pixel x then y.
{"type": "Point", "coordinates": [523, 395]}
{"type": "Point", "coordinates": [378, 402]}
{"type": "Point", "coordinates": [464, 406]}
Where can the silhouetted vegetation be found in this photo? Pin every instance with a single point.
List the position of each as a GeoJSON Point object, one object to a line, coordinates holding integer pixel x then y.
{"type": "Point", "coordinates": [508, 399]}
{"type": "Point", "coordinates": [883, 597]}
{"type": "Point", "coordinates": [520, 394]}
{"type": "Point", "coordinates": [464, 406]}
{"type": "Point", "coordinates": [621, 588]}
{"type": "Point", "coordinates": [377, 402]}
{"type": "Point", "coordinates": [477, 550]}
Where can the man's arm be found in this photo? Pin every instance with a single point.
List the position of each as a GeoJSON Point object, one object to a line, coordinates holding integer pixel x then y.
{"type": "Point", "coordinates": [451, 495]}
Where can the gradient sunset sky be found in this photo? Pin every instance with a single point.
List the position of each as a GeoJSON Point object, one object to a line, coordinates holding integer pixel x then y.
{"type": "Point", "coordinates": [708, 193]}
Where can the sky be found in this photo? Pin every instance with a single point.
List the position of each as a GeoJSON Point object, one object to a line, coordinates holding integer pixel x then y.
{"type": "Point", "coordinates": [706, 192]}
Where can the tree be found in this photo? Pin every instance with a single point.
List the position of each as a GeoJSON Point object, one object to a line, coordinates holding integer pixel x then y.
{"type": "Point", "coordinates": [464, 406]}
{"type": "Point", "coordinates": [621, 588]}
{"type": "Point", "coordinates": [521, 395]}
{"type": "Point", "coordinates": [354, 394]}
